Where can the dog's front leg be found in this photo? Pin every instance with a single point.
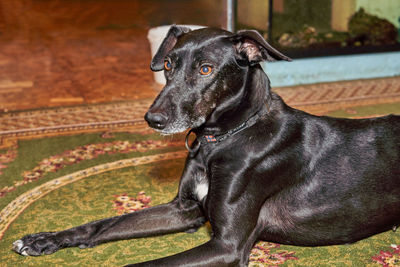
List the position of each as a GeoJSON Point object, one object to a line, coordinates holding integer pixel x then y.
{"type": "Point", "coordinates": [233, 238]}
{"type": "Point", "coordinates": [173, 217]}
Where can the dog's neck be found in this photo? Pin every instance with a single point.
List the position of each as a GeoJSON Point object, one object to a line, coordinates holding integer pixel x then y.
{"type": "Point", "coordinates": [253, 98]}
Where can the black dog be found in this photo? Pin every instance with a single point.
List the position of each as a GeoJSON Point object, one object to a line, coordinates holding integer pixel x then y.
{"type": "Point", "coordinates": [258, 169]}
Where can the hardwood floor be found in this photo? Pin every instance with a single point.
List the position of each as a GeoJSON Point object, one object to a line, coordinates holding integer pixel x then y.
{"type": "Point", "coordinates": [74, 69]}
{"type": "Point", "coordinates": [71, 52]}
{"type": "Point", "coordinates": [58, 61]}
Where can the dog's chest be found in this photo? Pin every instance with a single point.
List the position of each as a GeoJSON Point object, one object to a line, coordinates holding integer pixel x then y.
{"type": "Point", "coordinates": [201, 185]}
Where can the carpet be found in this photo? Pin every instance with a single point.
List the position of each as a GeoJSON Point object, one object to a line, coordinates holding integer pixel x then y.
{"type": "Point", "coordinates": [56, 179]}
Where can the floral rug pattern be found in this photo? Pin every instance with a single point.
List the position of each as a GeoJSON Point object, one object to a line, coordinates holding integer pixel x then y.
{"type": "Point", "coordinates": [150, 178]}
{"type": "Point", "coordinates": [265, 254]}
{"type": "Point", "coordinates": [6, 157]}
{"type": "Point", "coordinates": [77, 155]}
{"type": "Point", "coordinates": [125, 204]}
{"type": "Point", "coordinates": [389, 258]}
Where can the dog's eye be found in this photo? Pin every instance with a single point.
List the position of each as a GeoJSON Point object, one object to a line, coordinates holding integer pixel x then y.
{"type": "Point", "coordinates": [205, 70]}
{"type": "Point", "coordinates": [167, 65]}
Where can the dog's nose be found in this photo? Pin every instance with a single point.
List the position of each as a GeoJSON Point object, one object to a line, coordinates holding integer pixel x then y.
{"type": "Point", "coordinates": [156, 120]}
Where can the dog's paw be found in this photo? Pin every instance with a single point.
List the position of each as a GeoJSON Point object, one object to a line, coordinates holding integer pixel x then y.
{"type": "Point", "coordinates": [36, 244]}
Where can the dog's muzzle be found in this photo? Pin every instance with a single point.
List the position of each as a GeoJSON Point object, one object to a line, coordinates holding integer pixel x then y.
{"type": "Point", "coordinates": [156, 120]}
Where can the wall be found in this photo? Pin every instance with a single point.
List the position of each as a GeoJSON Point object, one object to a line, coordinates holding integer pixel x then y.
{"type": "Point", "coordinates": [253, 13]}
{"type": "Point", "coordinates": [388, 9]}
{"type": "Point", "coordinates": [343, 9]}
{"type": "Point", "coordinates": [44, 15]}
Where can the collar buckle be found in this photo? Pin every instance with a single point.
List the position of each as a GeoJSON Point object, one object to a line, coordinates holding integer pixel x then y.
{"type": "Point", "coordinates": [210, 138]}
{"type": "Point", "coordinates": [189, 147]}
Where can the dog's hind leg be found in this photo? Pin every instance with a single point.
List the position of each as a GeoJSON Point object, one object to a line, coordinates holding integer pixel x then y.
{"type": "Point", "coordinates": [214, 253]}
{"type": "Point", "coordinates": [175, 216]}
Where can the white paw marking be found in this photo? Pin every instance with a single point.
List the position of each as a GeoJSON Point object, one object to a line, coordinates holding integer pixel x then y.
{"type": "Point", "coordinates": [18, 246]}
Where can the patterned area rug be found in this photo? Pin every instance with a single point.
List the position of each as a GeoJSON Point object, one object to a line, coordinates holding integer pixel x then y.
{"type": "Point", "coordinates": [318, 99]}
{"type": "Point", "coordinates": [55, 176]}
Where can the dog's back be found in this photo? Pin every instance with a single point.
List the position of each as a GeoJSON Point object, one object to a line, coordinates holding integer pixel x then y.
{"type": "Point", "coordinates": [345, 186]}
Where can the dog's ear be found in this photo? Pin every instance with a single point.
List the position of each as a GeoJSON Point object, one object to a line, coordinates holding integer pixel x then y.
{"type": "Point", "coordinates": [252, 47]}
{"type": "Point", "coordinates": [157, 63]}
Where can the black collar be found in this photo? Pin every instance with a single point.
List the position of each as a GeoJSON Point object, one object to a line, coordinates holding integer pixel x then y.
{"type": "Point", "coordinates": [210, 138]}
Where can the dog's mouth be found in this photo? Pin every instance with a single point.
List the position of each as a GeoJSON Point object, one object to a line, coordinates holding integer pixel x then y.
{"type": "Point", "coordinates": [171, 130]}
{"type": "Point", "coordinates": [170, 127]}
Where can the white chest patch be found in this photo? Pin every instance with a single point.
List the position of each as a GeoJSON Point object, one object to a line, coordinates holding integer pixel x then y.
{"type": "Point", "coordinates": [201, 190]}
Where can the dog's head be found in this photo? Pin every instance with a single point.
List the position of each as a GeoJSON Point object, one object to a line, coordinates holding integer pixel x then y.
{"type": "Point", "coordinates": [203, 69]}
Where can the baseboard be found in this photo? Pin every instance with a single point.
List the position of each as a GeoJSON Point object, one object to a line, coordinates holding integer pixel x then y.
{"type": "Point", "coordinates": [334, 68]}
